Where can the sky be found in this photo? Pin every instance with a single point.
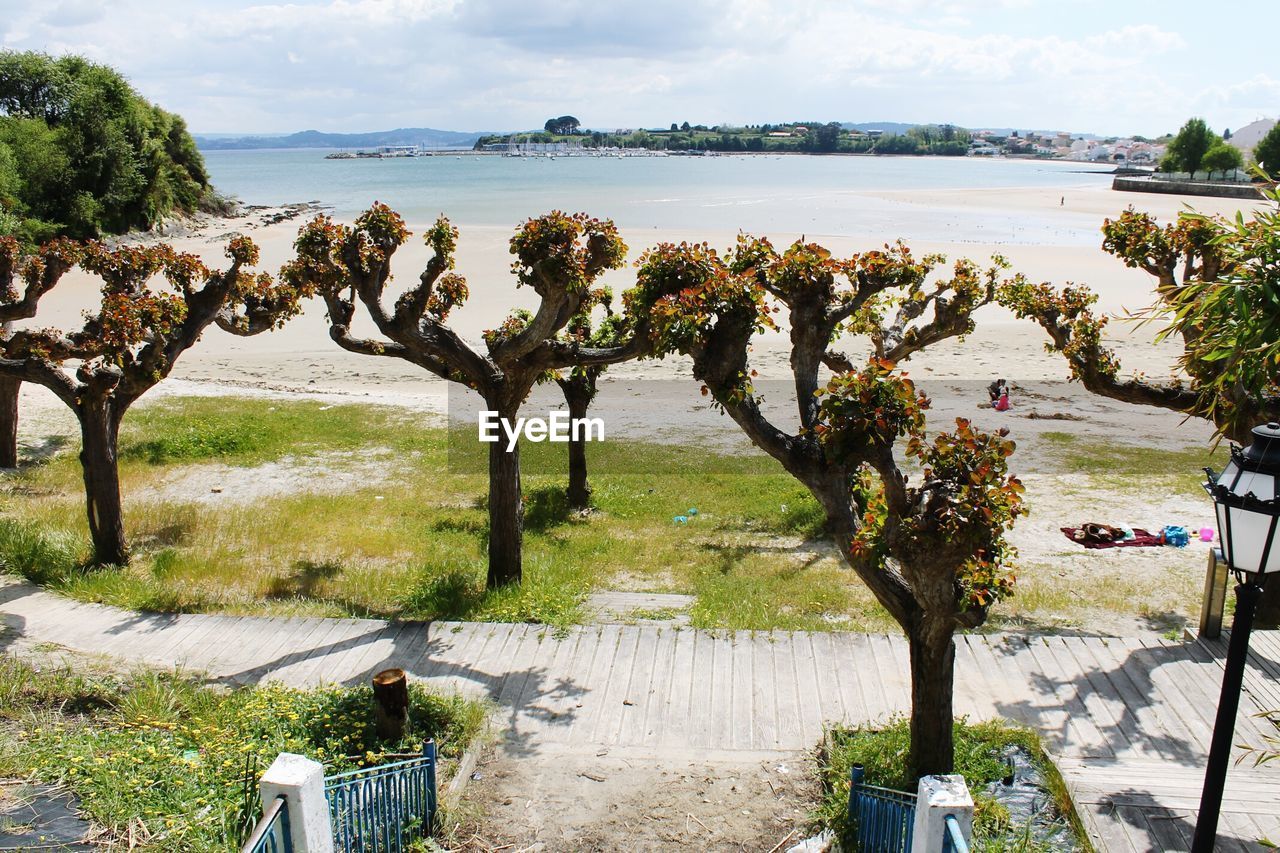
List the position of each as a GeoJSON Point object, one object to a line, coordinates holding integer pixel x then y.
{"type": "Point", "coordinates": [230, 66]}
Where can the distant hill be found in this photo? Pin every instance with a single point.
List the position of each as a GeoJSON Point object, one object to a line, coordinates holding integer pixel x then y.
{"type": "Point", "coordinates": [425, 136]}
{"type": "Point", "coordinates": [900, 128]}
{"type": "Point", "coordinates": [883, 126]}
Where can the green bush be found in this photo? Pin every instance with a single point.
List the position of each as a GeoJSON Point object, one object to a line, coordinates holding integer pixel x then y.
{"type": "Point", "coordinates": [979, 757]}
{"type": "Point", "coordinates": [81, 152]}
{"type": "Point", "coordinates": [182, 760]}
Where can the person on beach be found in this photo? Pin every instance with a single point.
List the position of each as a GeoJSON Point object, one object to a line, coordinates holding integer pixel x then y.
{"type": "Point", "coordinates": [998, 391]}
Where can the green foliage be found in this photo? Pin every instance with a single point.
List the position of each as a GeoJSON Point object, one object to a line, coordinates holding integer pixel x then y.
{"type": "Point", "coordinates": [979, 757]}
{"type": "Point", "coordinates": [89, 153]}
{"type": "Point", "coordinates": [1186, 151]}
{"type": "Point", "coordinates": [562, 126]}
{"type": "Point", "coordinates": [39, 554]}
{"type": "Point", "coordinates": [1267, 152]}
{"type": "Point", "coordinates": [161, 751]}
{"type": "Point", "coordinates": [871, 408]}
{"type": "Point", "coordinates": [1235, 315]}
{"type": "Point", "coordinates": [569, 251]}
{"type": "Point", "coordinates": [1221, 157]}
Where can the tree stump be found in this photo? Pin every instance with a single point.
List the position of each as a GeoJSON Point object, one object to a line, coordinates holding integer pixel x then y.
{"type": "Point", "coordinates": [391, 704]}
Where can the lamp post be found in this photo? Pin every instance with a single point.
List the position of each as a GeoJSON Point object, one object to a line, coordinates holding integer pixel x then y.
{"type": "Point", "coordinates": [1248, 508]}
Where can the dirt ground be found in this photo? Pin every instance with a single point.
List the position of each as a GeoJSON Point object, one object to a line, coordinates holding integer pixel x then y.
{"type": "Point", "coordinates": [612, 801]}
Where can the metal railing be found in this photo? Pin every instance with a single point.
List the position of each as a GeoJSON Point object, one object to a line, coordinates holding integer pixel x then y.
{"type": "Point", "coordinates": [882, 819]}
{"type": "Point", "coordinates": [953, 841]}
{"type": "Point", "coordinates": [272, 834]}
{"type": "Point", "coordinates": [383, 809]}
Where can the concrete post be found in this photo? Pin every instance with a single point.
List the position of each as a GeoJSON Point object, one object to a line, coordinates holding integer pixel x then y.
{"type": "Point", "coordinates": [1215, 596]}
{"type": "Point", "coordinates": [937, 797]}
{"type": "Point", "coordinates": [301, 781]}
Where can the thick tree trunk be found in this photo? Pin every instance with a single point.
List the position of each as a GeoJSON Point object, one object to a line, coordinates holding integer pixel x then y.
{"type": "Point", "coordinates": [933, 657]}
{"type": "Point", "coordinates": [9, 421]}
{"type": "Point", "coordinates": [99, 433]}
{"type": "Point", "coordinates": [391, 704]}
{"type": "Point", "coordinates": [579, 493]}
{"type": "Point", "coordinates": [506, 513]}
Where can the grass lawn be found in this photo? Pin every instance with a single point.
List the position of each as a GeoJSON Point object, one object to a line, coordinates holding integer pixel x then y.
{"type": "Point", "coordinates": [404, 534]}
{"type": "Point", "coordinates": [160, 759]}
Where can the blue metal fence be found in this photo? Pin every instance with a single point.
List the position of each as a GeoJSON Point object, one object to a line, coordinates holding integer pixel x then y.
{"type": "Point", "coordinates": [383, 809]}
{"type": "Point", "coordinates": [882, 819]}
{"type": "Point", "coordinates": [271, 835]}
{"type": "Point", "coordinates": [953, 841]}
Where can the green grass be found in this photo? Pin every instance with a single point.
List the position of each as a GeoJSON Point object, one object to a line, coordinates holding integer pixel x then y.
{"type": "Point", "coordinates": [1120, 467]}
{"type": "Point", "coordinates": [414, 544]}
{"type": "Point", "coordinates": [409, 537]}
{"type": "Point", "coordinates": [177, 762]}
{"type": "Point", "coordinates": [979, 751]}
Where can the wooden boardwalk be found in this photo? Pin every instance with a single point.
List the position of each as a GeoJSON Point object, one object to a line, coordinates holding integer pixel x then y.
{"type": "Point", "coordinates": [1128, 720]}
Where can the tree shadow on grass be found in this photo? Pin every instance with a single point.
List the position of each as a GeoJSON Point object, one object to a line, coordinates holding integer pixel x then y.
{"type": "Point", "coordinates": [546, 507]}
{"type": "Point", "coordinates": [730, 556]}
{"type": "Point", "coordinates": [35, 455]}
{"type": "Point", "coordinates": [304, 580]}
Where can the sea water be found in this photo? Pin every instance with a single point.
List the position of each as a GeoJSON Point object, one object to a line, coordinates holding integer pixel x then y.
{"type": "Point", "coordinates": [763, 194]}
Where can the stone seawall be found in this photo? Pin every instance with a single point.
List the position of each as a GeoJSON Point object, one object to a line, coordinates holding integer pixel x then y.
{"type": "Point", "coordinates": [1223, 190]}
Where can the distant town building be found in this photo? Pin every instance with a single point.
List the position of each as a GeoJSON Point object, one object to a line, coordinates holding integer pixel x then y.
{"type": "Point", "coordinates": [1250, 135]}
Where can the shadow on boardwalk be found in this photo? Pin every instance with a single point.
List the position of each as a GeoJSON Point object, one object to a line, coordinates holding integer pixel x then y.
{"type": "Point", "coordinates": [524, 695]}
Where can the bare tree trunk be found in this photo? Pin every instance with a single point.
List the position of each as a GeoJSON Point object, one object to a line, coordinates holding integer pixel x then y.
{"type": "Point", "coordinates": [9, 421]}
{"type": "Point", "coordinates": [933, 657]}
{"type": "Point", "coordinates": [99, 432]}
{"type": "Point", "coordinates": [391, 704]}
{"type": "Point", "coordinates": [579, 493]}
{"type": "Point", "coordinates": [506, 513]}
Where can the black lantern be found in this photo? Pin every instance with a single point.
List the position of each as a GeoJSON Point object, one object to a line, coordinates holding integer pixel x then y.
{"type": "Point", "coordinates": [1245, 500]}
{"type": "Point", "coordinates": [1244, 496]}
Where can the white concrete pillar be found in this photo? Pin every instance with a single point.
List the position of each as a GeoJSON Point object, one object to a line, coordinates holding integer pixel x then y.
{"type": "Point", "coordinates": [937, 797]}
{"type": "Point", "coordinates": [301, 781]}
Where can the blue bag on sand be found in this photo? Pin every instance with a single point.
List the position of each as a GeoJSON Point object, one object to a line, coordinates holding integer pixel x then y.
{"type": "Point", "coordinates": [1176, 536]}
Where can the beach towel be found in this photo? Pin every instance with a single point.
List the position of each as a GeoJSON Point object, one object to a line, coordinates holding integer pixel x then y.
{"type": "Point", "coordinates": [1093, 536]}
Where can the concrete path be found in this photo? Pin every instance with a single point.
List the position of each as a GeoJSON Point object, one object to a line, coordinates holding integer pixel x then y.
{"type": "Point", "coordinates": [1128, 720]}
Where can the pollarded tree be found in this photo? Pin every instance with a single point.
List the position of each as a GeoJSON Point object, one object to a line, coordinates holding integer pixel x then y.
{"type": "Point", "coordinates": [1216, 288]}
{"type": "Point", "coordinates": [131, 343]}
{"type": "Point", "coordinates": [1218, 291]}
{"type": "Point", "coordinates": [38, 273]}
{"type": "Point", "coordinates": [558, 255]}
{"type": "Point", "coordinates": [933, 553]}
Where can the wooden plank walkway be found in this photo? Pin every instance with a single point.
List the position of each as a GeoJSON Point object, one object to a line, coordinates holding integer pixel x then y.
{"type": "Point", "coordinates": [1127, 720]}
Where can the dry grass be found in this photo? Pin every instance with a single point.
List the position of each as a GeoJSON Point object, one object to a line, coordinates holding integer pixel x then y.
{"type": "Point", "coordinates": [409, 540]}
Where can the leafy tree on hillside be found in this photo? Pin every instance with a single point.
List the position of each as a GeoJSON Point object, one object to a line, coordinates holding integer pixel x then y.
{"type": "Point", "coordinates": [128, 345]}
{"type": "Point", "coordinates": [932, 552]}
{"type": "Point", "coordinates": [558, 255]}
{"type": "Point", "coordinates": [1267, 152]}
{"type": "Point", "coordinates": [90, 154]}
{"type": "Point", "coordinates": [562, 126]}
{"type": "Point", "coordinates": [822, 138]}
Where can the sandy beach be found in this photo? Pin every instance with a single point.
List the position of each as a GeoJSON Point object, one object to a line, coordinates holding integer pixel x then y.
{"type": "Point", "coordinates": [301, 361]}
{"type": "Point", "coordinates": [300, 358]}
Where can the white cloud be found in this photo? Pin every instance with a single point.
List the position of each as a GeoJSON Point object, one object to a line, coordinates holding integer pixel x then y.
{"type": "Point", "coordinates": [506, 64]}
